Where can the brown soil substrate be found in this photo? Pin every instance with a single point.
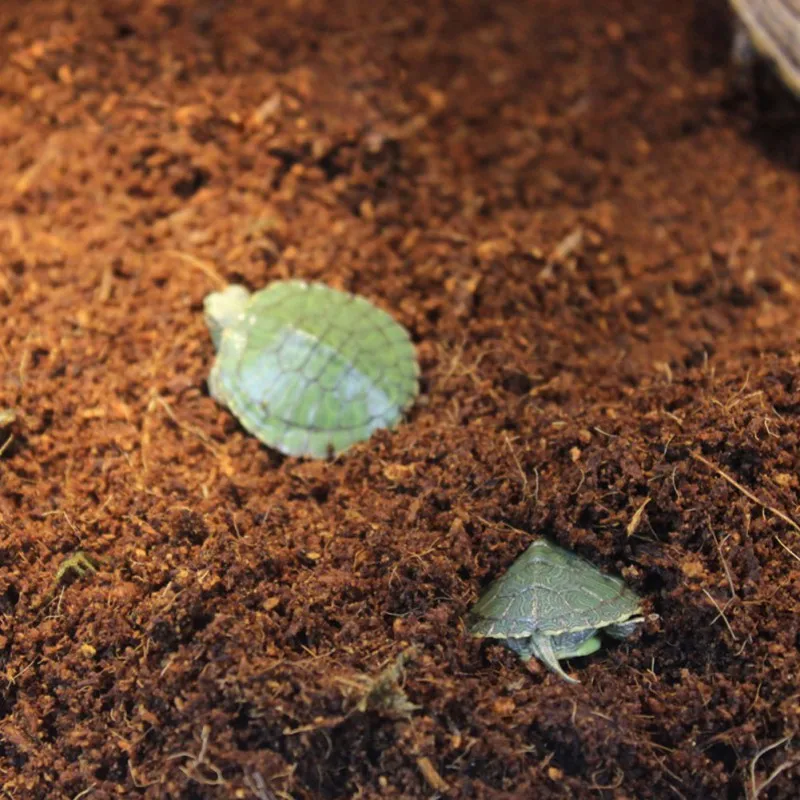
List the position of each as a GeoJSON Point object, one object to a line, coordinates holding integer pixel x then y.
{"type": "Point", "coordinates": [594, 242]}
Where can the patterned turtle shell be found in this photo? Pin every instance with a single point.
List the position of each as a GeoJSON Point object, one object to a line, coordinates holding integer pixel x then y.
{"type": "Point", "coordinates": [308, 369]}
{"type": "Point", "coordinates": [551, 591]}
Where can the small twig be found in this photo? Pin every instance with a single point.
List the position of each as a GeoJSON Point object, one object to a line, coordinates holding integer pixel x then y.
{"type": "Point", "coordinates": [605, 433]}
{"type": "Point", "coordinates": [788, 549]}
{"type": "Point", "coordinates": [255, 782]}
{"type": "Point", "coordinates": [192, 768]}
{"type": "Point", "coordinates": [321, 724]}
{"type": "Point", "coordinates": [722, 558]}
{"type": "Point", "coordinates": [206, 267]}
{"type": "Point", "coordinates": [769, 432]}
{"type": "Point", "coordinates": [636, 518]}
{"type": "Point", "coordinates": [12, 678]}
{"type": "Point", "coordinates": [755, 787]}
{"type": "Point", "coordinates": [431, 775]}
{"type": "Point", "coordinates": [6, 444]}
{"type": "Point", "coordinates": [194, 431]}
{"type": "Point", "coordinates": [675, 485]}
{"type": "Point", "coordinates": [721, 613]}
{"type": "Point", "coordinates": [619, 777]}
{"type": "Point", "coordinates": [777, 512]}
{"type": "Point", "coordinates": [561, 252]}
{"type": "Point", "coordinates": [519, 466]}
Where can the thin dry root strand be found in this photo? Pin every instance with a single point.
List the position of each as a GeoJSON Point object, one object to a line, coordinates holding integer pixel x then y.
{"type": "Point", "coordinates": [6, 444]}
{"type": "Point", "coordinates": [206, 267]}
{"type": "Point", "coordinates": [722, 557]}
{"type": "Point", "coordinates": [431, 775]}
{"type": "Point", "coordinates": [776, 511]}
{"type": "Point", "coordinates": [756, 787]}
{"type": "Point", "coordinates": [788, 549]}
{"type": "Point", "coordinates": [196, 763]}
{"type": "Point", "coordinates": [721, 613]}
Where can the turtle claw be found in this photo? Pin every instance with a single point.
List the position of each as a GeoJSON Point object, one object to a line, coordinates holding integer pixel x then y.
{"type": "Point", "coordinates": [542, 648]}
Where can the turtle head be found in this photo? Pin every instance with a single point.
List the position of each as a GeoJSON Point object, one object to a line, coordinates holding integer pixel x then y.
{"type": "Point", "coordinates": [221, 309]}
{"type": "Point", "coordinates": [625, 629]}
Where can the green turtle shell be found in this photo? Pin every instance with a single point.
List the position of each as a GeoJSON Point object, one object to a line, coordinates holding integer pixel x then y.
{"type": "Point", "coordinates": [773, 27]}
{"type": "Point", "coordinates": [307, 369]}
{"type": "Point", "coordinates": [551, 591]}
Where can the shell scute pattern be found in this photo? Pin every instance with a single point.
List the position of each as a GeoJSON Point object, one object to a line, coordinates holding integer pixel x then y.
{"type": "Point", "coordinates": [553, 591]}
{"type": "Point", "coordinates": [308, 369]}
{"type": "Point", "coordinates": [551, 603]}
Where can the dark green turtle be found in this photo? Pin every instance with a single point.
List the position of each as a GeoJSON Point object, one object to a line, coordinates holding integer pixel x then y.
{"type": "Point", "coordinates": [308, 369]}
{"type": "Point", "coordinates": [551, 604]}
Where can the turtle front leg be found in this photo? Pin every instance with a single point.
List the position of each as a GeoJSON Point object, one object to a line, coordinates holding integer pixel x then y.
{"type": "Point", "coordinates": [540, 647]}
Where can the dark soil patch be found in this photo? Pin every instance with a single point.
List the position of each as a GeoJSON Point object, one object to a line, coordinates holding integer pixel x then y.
{"type": "Point", "coordinates": [594, 242]}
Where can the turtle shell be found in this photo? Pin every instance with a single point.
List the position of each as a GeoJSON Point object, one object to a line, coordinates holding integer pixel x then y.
{"type": "Point", "coordinates": [551, 591]}
{"type": "Point", "coordinates": [773, 26]}
{"type": "Point", "coordinates": [310, 370]}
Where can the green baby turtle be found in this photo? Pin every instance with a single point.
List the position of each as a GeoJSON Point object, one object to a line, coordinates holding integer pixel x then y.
{"type": "Point", "coordinates": [307, 369]}
{"type": "Point", "coordinates": [551, 604]}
